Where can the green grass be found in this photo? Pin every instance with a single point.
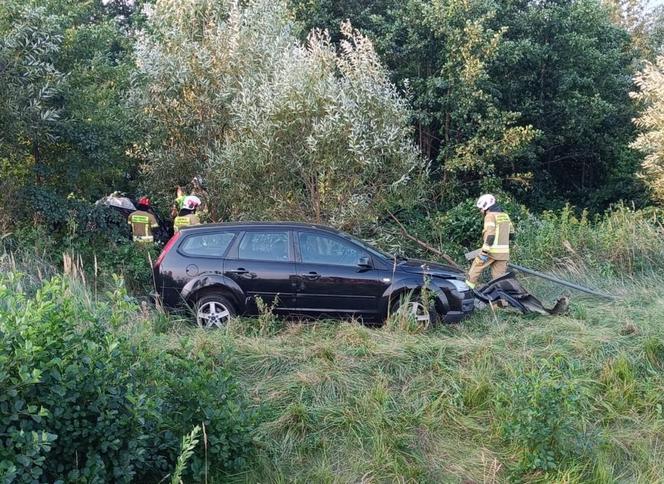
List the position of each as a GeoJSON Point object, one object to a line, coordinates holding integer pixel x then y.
{"type": "Point", "coordinates": [474, 402]}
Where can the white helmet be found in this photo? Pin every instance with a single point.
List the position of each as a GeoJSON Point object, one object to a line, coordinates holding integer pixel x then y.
{"type": "Point", "coordinates": [190, 202]}
{"type": "Point", "coordinates": [485, 202]}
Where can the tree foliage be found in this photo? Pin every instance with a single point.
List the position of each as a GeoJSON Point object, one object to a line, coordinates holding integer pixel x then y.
{"type": "Point", "coordinates": [66, 69]}
{"type": "Point", "coordinates": [651, 121]}
{"type": "Point", "coordinates": [288, 111]}
{"type": "Point", "coordinates": [566, 68]}
{"type": "Point", "coordinates": [280, 128]}
{"type": "Point", "coordinates": [440, 53]}
{"type": "Point", "coordinates": [528, 97]}
{"type": "Point", "coordinates": [29, 84]}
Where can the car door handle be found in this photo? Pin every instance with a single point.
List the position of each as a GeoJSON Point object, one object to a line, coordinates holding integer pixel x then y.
{"type": "Point", "coordinates": [312, 276]}
{"type": "Point", "coordinates": [241, 271]}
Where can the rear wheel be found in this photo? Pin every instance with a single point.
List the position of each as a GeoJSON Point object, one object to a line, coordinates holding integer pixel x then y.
{"type": "Point", "coordinates": [214, 311]}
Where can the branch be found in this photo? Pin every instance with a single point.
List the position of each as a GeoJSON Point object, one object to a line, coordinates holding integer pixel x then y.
{"type": "Point", "coordinates": [430, 248]}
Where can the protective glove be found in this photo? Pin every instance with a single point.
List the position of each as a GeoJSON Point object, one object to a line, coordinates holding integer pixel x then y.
{"type": "Point", "coordinates": [483, 257]}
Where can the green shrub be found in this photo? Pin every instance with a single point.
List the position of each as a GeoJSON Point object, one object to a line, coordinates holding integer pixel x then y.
{"type": "Point", "coordinates": [69, 407]}
{"type": "Point", "coordinates": [194, 389]}
{"type": "Point", "coordinates": [80, 403]}
{"type": "Point", "coordinates": [460, 228]}
{"type": "Point", "coordinates": [454, 231]}
{"type": "Point", "coordinates": [132, 262]}
{"type": "Point", "coordinates": [622, 242]}
{"type": "Point", "coordinates": [540, 413]}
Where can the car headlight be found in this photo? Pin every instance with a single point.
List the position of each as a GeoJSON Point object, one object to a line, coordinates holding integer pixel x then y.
{"type": "Point", "coordinates": [458, 285]}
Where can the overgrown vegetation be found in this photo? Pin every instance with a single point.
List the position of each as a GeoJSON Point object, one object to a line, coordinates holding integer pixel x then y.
{"type": "Point", "coordinates": [427, 104]}
{"type": "Point", "coordinates": [86, 397]}
{"type": "Point", "coordinates": [498, 397]}
{"type": "Point", "coordinates": [286, 129]}
{"type": "Point", "coordinates": [651, 141]}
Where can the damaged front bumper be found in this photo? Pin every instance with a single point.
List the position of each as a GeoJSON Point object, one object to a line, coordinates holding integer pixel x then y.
{"type": "Point", "coordinates": [507, 290]}
{"type": "Point", "coordinates": [461, 303]}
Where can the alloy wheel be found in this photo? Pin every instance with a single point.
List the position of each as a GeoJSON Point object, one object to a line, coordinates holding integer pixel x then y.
{"type": "Point", "coordinates": [212, 314]}
{"type": "Point", "coordinates": [417, 311]}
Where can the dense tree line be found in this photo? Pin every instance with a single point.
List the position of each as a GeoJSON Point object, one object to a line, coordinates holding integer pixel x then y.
{"type": "Point", "coordinates": [331, 111]}
{"type": "Point", "coordinates": [534, 94]}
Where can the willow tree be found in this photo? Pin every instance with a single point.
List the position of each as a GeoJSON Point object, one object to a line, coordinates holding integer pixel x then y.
{"type": "Point", "coordinates": [651, 121]}
{"type": "Point", "coordinates": [279, 128]}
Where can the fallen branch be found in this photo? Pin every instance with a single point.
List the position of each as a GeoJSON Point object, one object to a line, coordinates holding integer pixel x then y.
{"type": "Point", "coordinates": [430, 248]}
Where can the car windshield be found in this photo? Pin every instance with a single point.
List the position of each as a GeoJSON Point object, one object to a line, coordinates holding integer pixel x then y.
{"type": "Point", "coordinates": [371, 249]}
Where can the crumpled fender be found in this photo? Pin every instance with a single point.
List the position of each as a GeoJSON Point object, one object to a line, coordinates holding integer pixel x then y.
{"type": "Point", "coordinates": [214, 280]}
{"type": "Point", "coordinates": [393, 292]}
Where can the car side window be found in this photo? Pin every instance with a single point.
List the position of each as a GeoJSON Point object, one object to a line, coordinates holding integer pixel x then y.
{"type": "Point", "coordinates": [267, 246]}
{"type": "Point", "coordinates": [207, 245]}
{"type": "Point", "coordinates": [322, 249]}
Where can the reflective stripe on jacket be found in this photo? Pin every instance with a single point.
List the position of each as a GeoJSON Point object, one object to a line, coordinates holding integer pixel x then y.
{"type": "Point", "coordinates": [185, 220]}
{"type": "Point", "coordinates": [143, 238]}
{"type": "Point", "coordinates": [496, 235]}
{"type": "Point", "coordinates": [142, 223]}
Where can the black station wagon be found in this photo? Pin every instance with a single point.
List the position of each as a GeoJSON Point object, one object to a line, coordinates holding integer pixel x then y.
{"type": "Point", "coordinates": [221, 269]}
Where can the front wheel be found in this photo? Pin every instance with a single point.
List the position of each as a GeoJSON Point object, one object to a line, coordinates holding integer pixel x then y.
{"type": "Point", "coordinates": [214, 311]}
{"type": "Point", "coordinates": [416, 309]}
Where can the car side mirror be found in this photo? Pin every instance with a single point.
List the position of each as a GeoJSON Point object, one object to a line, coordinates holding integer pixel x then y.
{"type": "Point", "coordinates": [364, 263]}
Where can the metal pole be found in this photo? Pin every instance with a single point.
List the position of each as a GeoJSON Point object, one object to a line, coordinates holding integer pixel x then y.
{"type": "Point", "coordinates": [559, 281]}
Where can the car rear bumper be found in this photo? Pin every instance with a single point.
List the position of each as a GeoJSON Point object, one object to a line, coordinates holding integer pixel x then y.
{"type": "Point", "coordinates": [168, 297]}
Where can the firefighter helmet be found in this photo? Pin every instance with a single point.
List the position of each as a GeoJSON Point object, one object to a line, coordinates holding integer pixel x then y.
{"type": "Point", "coordinates": [191, 202]}
{"type": "Point", "coordinates": [485, 202]}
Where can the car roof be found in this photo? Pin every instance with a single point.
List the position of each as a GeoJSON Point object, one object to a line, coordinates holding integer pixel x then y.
{"type": "Point", "coordinates": [249, 225]}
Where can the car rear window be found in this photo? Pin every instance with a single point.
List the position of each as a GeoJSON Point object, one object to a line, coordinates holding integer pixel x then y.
{"type": "Point", "coordinates": [207, 245]}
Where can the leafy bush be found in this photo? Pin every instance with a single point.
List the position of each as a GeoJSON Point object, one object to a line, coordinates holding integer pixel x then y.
{"type": "Point", "coordinates": [459, 229]}
{"type": "Point", "coordinates": [80, 403]}
{"type": "Point", "coordinates": [98, 234]}
{"type": "Point", "coordinates": [193, 389]}
{"type": "Point", "coordinates": [130, 261]}
{"type": "Point", "coordinates": [650, 141]}
{"type": "Point", "coordinates": [540, 412]}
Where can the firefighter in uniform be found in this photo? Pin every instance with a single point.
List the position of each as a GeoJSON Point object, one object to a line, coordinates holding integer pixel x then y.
{"type": "Point", "coordinates": [187, 214]}
{"type": "Point", "coordinates": [495, 251]}
{"type": "Point", "coordinates": [143, 222]}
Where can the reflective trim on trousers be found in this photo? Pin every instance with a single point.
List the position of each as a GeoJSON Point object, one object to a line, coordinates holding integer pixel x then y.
{"type": "Point", "coordinates": [143, 238]}
{"type": "Point", "coordinates": [499, 249]}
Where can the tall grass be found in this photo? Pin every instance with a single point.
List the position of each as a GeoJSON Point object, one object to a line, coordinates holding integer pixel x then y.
{"type": "Point", "coordinates": [497, 398]}
{"type": "Point", "coordinates": [621, 243]}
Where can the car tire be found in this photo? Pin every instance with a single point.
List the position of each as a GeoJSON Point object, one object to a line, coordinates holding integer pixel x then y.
{"type": "Point", "coordinates": [416, 307]}
{"type": "Point", "coordinates": [213, 311]}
